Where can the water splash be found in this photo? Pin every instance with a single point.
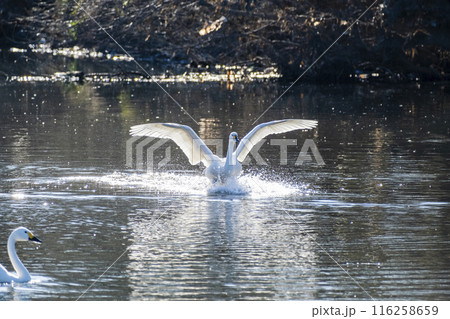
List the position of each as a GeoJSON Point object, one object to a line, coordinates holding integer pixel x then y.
{"type": "Point", "coordinates": [230, 187]}
{"type": "Point", "coordinates": [162, 182]}
{"type": "Point", "coordinates": [252, 186]}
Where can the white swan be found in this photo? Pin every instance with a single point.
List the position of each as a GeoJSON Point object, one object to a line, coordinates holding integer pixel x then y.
{"type": "Point", "coordinates": [218, 169]}
{"type": "Point", "coordinates": [22, 274]}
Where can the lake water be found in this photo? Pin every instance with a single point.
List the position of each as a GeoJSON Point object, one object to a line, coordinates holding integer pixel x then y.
{"type": "Point", "coordinates": [372, 222]}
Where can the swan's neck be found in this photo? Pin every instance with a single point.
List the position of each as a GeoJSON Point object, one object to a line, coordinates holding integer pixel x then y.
{"type": "Point", "coordinates": [22, 272]}
{"type": "Point", "coordinates": [231, 156]}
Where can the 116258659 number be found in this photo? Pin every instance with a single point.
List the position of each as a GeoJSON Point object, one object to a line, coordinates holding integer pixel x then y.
{"type": "Point", "coordinates": [380, 310]}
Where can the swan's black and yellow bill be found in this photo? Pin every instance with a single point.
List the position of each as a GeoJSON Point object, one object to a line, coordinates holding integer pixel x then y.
{"type": "Point", "coordinates": [33, 238]}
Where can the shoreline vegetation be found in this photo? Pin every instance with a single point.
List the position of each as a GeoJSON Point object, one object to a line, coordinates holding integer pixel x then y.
{"type": "Point", "coordinates": [395, 41]}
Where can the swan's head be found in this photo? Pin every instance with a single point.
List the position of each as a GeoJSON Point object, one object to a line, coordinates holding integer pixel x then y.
{"type": "Point", "coordinates": [234, 137]}
{"type": "Point", "coordinates": [23, 234]}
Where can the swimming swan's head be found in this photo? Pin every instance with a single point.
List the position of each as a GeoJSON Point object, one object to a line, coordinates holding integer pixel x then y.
{"type": "Point", "coordinates": [23, 234]}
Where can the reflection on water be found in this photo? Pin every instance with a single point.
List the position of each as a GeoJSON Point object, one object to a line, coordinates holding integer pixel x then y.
{"type": "Point", "coordinates": [220, 249]}
{"type": "Point", "coordinates": [379, 206]}
{"type": "Point", "coordinates": [217, 73]}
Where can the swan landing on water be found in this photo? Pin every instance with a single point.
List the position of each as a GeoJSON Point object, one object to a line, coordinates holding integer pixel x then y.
{"type": "Point", "coordinates": [22, 274]}
{"type": "Point", "coordinates": [218, 169]}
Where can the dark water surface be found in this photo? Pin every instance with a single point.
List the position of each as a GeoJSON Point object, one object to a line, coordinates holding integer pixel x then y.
{"type": "Point", "coordinates": [373, 222]}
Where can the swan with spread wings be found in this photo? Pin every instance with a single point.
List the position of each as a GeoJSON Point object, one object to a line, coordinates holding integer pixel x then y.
{"type": "Point", "coordinates": [219, 169]}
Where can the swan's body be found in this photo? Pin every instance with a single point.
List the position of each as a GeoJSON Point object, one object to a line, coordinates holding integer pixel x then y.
{"type": "Point", "coordinates": [22, 274]}
{"type": "Point", "coordinates": [218, 169]}
{"type": "Point", "coordinates": [221, 169]}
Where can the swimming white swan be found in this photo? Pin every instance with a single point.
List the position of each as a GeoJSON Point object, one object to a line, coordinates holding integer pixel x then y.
{"type": "Point", "coordinates": [22, 274]}
{"type": "Point", "coordinates": [218, 169]}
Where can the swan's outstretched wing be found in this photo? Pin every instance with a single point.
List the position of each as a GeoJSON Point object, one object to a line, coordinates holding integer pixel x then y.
{"type": "Point", "coordinates": [189, 142]}
{"type": "Point", "coordinates": [275, 127]}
